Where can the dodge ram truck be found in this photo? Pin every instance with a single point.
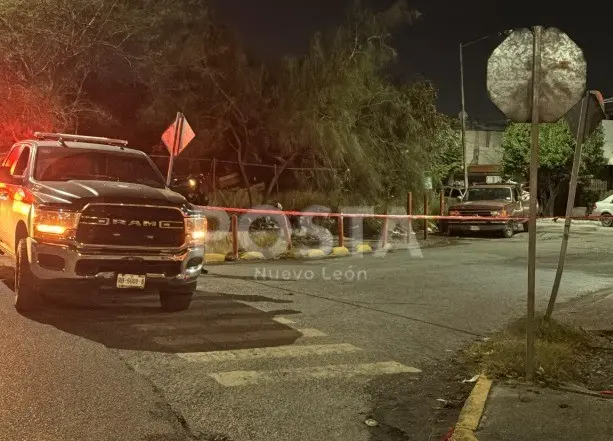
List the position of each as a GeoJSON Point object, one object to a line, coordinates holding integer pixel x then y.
{"type": "Point", "coordinates": [80, 214]}
{"type": "Point", "coordinates": [490, 201]}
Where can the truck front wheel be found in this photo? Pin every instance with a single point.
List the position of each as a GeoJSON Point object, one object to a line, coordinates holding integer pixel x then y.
{"type": "Point", "coordinates": [509, 230]}
{"type": "Point", "coordinates": [27, 294]}
{"type": "Point", "coordinates": [175, 301]}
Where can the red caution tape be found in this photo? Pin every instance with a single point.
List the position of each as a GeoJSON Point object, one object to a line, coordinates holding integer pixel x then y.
{"type": "Point", "coordinates": [388, 216]}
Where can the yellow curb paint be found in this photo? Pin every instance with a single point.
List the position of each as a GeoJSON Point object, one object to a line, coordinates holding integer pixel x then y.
{"type": "Point", "coordinates": [315, 254]}
{"type": "Point", "coordinates": [472, 411]}
{"type": "Point", "coordinates": [214, 258]}
{"type": "Point", "coordinates": [252, 255]}
{"type": "Point", "coordinates": [363, 248]}
{"type": "Point", "coordinates": [340, 251]}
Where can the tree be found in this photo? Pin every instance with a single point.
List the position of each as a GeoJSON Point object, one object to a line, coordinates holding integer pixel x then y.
{"type": "Point", "coordinates": [202, 70]}
{"type": "Point", "coordinates": [57, 45]}
{"type": "Point", "coordinates": [23, 108]}
{"type": "Point", "coordinates": [557, 146]}
{"type": "Point", "coordinates": [341, 110]}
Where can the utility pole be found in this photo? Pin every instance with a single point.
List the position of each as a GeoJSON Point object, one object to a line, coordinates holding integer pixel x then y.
{"type": "Point", "coordinates": [463, 114]}
{"type": "Point", "coordinates": [463, 118]}
{"type": "Point", "coordinates": [534, 163]}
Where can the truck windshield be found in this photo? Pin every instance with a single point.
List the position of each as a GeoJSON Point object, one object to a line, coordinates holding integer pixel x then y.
{"type": "Point", "coordinates": [488, 194]}
{"type": "Point", "coordinates": [57, 164]}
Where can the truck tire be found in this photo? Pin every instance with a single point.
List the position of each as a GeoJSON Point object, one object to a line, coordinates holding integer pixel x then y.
{"type": "Point", "coordinates": [175, 301]}
{"type": "Point", "coordinates": [27, 294]}
{"type": "Point", "coordinates": [509, 230]}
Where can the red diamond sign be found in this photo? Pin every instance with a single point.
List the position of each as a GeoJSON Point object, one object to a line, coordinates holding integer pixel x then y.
{"type": "Point", "coordinates": [170, 136]}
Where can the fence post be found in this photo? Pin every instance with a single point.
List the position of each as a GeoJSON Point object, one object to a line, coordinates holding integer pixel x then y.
{"type": "Point", "coordinates": [410, 203]}
{"type": "Point", "coordinates": [234, 228]}
{"type": "Point", "coordinates": [288, 233]}
{"type": "Point", "coordinates": [441, 204]}
{"type": "Point", "coordinates": [341, 232]}
{"type": "Point", "coordinates": [385, 226]}
{"type": "Point", "coordinates": [214, 177]}
{"type": "Point", "coordinates": [425, 214]}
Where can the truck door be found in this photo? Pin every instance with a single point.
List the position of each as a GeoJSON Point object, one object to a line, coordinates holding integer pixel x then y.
{"type": "Point", "coordinates": [8, 161]}
{"type": "Point", "coordinates": [17, 161]}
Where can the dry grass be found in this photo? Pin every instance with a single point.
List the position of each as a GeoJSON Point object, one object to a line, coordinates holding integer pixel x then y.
{"type": "Point", "coordinates": [221, 243]}
{"type": "Point", "coordinates": [560, 351]}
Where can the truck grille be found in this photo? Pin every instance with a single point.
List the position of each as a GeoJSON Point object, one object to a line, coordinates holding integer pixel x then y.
{"type": "Point", "coordinates": [483, 213]}
{"type": "Point", "coordinates": [131, 225]}
{"type": "Point", "coordinates": [91, 267]}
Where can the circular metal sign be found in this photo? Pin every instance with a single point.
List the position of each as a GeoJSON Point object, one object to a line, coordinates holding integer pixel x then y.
{"type": "Point", "coordinates": [563, 75]}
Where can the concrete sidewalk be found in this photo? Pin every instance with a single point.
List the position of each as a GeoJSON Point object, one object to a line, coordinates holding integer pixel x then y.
{"type": "Point", "coordinates": [527, 414]}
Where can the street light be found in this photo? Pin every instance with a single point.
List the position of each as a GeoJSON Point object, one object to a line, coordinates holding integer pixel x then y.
{"type": "Point", "coordinates": [463, 113]}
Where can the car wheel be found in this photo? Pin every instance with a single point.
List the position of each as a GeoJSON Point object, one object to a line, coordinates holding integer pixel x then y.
{"type": "Point", "coordinates": [606, 220]}
{"type": "Point", "coordinates": [508, 231]}
{"type": "Point", "coordinates": [526, 226]}
{"type": "Point", "coordinates": [27, 294]}
{"type": "Point", "coordinates": [175, 301]}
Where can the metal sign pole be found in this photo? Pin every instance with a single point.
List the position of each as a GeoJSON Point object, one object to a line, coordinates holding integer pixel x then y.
{"type": "Point", "coordinates": [175, 146]}
{"type": "Point", "coordinates": [534, 163]}
{"type": "Point", "coordinates": [463, 120]}
{"type": "Point", "coordinates": [570, 203]}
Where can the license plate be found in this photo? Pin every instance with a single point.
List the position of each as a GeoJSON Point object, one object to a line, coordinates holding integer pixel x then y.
{"type": "Point", "coordinates": [474, 228]}
{"type": "Point", "coordinates": [130, 281]}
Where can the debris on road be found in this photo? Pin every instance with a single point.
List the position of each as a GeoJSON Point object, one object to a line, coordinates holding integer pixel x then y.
{"type": "Point", "coordinates": [371, 423]}
{"type": "Point", "coordinates": [471, 380]}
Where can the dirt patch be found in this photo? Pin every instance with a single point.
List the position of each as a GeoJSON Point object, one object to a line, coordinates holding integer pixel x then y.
{"type": "Point", "coordinates": [418, 409]}
{"type": "Point", "coordinates": [564, 353]}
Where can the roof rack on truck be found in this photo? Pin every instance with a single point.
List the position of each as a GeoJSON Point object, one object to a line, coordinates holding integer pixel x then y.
{"type": "Point", "coordinates": [80, 138]}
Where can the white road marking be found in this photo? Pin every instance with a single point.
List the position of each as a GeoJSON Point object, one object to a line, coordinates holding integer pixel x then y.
{"type": "Point", "coordinates": [311, 332]}
{"type": "Point", "coordinates": [269, 352]}
{"type": "Point", "coordinates": [237, 337]}
{"type": "Point", "coordinates": [246, 378]}
{"type": "Point", "coordinates": [284, 321]}
{"type": "Point", "coordinates": [213, 321]}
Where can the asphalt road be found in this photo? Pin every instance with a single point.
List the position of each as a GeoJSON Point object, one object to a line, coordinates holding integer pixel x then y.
{"type": "Point", "coordinates": [259, 357]}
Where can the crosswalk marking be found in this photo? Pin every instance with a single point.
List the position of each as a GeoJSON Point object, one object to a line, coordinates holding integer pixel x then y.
{"type": "Point", "coordinates": [311, 332]}
{"type": "Point", "coordinates": [269, 352]}
{"type": "Point", "coordinates": [223, 321]}
{"type": "Point", "coordinates": [246, 378]}
{"type": "Point", "coordinates": [284, 321]}
{"type": "Point", "coordinates": [237, 337]}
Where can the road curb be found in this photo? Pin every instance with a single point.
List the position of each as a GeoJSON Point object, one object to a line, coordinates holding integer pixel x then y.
{"type": "Point", "coordinates": [340, 251]}
{"type": "Point", "coordinates": [363, 248]}
{"type": "Point", "coordinates": [314, 253]}
{"type": "Point", "coordinates": [472, 411]}
{"type": "Point", "coordinates": [214, 258]}
{"type": "Point", "coordinates": [252, 255]}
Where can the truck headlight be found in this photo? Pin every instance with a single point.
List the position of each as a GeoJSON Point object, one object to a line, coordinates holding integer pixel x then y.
{"type": "Point", "coordinates": [54, 224]}
{"type": "Point", "coordinates": [195, 230]}
{"type": "Point", "coordinates": [454, 213]}
{"type": "Point", "coordinates": [501, 213]}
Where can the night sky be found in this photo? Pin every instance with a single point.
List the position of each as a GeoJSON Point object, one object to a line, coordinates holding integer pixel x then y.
{"type": "Point", "coordinates": [272, 28]}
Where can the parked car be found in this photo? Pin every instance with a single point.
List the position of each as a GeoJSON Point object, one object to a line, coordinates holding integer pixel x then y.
{"type": "Point", "coordinates": [490, 201]}
{"type": "Point", "coordinates": [603, 210]}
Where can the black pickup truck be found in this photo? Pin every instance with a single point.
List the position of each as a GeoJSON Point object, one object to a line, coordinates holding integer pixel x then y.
{"type": "Point", "coordinates": [82, 213]}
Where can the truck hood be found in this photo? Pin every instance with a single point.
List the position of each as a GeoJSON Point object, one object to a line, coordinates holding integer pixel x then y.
{"type": "Point", "coordinates": [479, 205]}
{"type": "Point", "coordinates": [79, 193]}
